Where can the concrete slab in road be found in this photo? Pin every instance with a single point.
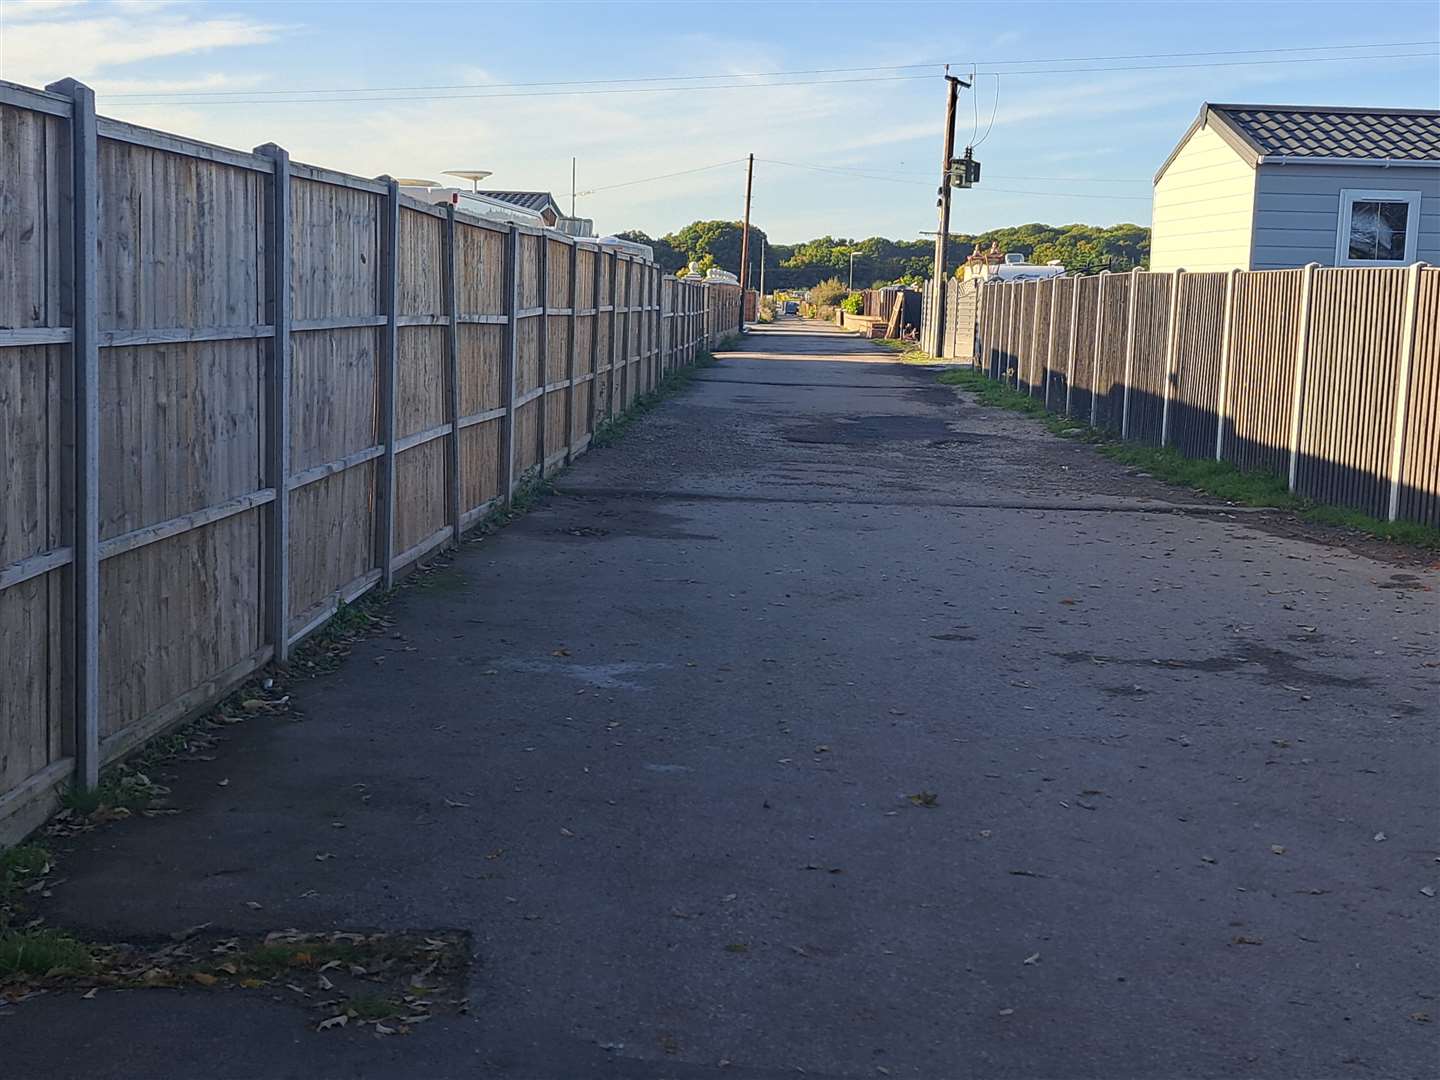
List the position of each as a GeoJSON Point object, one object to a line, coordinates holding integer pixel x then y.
{"type": "Point", "coordinates": [686, 703]}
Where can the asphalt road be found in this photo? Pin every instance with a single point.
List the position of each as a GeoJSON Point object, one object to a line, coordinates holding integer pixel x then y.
{"type": "Point", "coordinates": [654, 746]}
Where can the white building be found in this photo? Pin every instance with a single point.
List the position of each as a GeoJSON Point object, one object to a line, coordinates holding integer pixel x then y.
{"type": "Point", "coordinates": [1266, 187]}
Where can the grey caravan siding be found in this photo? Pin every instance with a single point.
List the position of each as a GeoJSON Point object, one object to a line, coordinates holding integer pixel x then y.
{"type": "Point", "coordinates": [1297, 210]}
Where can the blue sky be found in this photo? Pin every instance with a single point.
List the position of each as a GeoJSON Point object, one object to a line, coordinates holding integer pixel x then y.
{"type": "Point", "coordinates": [1071, 140]}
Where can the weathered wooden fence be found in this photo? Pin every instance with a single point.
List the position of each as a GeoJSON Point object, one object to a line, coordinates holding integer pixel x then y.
{"type": "Point", "coordinates": [1329, 377]}
{"type": "Point", "coordinates": [237, 392]}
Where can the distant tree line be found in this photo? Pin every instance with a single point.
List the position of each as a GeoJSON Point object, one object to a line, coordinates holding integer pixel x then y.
{"type": "Point", "coordinates": [879, 261]}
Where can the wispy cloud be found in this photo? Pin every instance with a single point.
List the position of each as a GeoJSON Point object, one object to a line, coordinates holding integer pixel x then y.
{"type": "Point", "coordinates": [87, 40]}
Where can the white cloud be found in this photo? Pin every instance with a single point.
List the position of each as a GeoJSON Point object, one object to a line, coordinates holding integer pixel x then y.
{"type": "Point", "coordinates": [13, 11]}
{"type": "Point", "coordinates": [84, 41]}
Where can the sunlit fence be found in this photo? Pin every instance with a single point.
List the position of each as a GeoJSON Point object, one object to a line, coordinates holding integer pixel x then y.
{"type": "Point", "coordinates": [1328, 377]}
{"type": "Point", "coordinates": [237, 392]}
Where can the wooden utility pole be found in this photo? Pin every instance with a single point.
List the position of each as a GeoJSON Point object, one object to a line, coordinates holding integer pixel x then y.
{"type": "Point", "coordinates": [952, 92]}
{"type": "Point", "coordinates": [762, 274]}
{"type": "Point", "coordinates": [745, 240]}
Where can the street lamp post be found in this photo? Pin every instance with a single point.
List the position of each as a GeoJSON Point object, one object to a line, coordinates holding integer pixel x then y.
{"type": "Point", "coordinates": [852, 272]}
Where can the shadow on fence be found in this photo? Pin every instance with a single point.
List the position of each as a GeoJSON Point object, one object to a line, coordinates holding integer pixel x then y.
{"type": "Point", "coordinates": [237, 392]}
{"type": "Point", "coordinates": [1329, 378]}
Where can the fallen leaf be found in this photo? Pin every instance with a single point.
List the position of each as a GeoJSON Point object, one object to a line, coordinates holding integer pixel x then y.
{"type": "Point", "coordinates": [560, 652]}
{"type": "Point", "coordinates": [1420, 1017]}
{"type": "Point", "coordinates": [1242, 940]}
{"type": "Point", "coordinates": [1428, 890]}
{"type": "Point", "coordinates": [1207, 858]}
{"type": "Point", "coordinates": [924, 798]}
{"type": "Point", "coordinates": [89, 995]}
{"type": "Point", "coordinates": [1278, 849]}
{"type": "Point", "coordinates": [1033, 958]}
{"type": "Point", "coordinates": [253, 905]}
{"type": "Point", "coordinates": [1007, 1012]}
{"type": "Point", "coordinates": [204, 979]}
{"type": "Point", "coordinates": [1380, 836]}
{"type": "Point", "coordinates": [452, 802]}
{"type": "Point", "coordinates": [339, 1020]}
{"type": "Point", "coordinates": [565, 832]}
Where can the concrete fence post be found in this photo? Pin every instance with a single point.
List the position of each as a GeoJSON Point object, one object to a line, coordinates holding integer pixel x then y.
{"type": "Point", "coordinates": [1132, 303]}
{"type": "Point", "coordinates": [1050, 343]}
{"type": "Point", "coordinates": [277, 400]}
{"type": "Point", "coordinates": [1302, 363]}
{"type": "Point", "coordinates": [1095, 360]}
{"type": "Point", "coordinates": [1074, 340]}
{"type": "Point", "coordinates": [592, 413]}
{"type": "Point", "coordinates": [81, 295]}
{"type": "Point", "coordinates": [570, 353]}
{"type": "Point", "coordinates": [1402, 387]}
{"type": "Point", "coordinates": [614, 340]}
{"type": "Point", "coordinates": [450, 286]}
{"type": "Point", "coordinates": [512, 349]}
{"type": "Point", "coordinates": [1227, 346]}
{"type": "Point", "coordinates": [390, 305]}
{"type": "Point", "coordinates": [1172, 341]}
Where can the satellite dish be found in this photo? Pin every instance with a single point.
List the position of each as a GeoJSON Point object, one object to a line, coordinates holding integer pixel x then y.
{"type": "Point", "coordinates": [473, 175]}
{"type": "Point", "coordinates": [411, 181]}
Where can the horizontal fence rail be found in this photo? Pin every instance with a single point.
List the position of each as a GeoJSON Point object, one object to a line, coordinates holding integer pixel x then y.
{"type": "Point", "coordinates": [1329, 377]}
{"type": "Point", "coordinates": [237, 392]}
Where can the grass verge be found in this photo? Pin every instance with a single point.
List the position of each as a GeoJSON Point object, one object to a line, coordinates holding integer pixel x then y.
{"type": "Point", "coordinates": [1218, 478]}
{"type": "Point", "coordinates": [42, 952]}
{"type": "Point", "coordinates": [910, 351]}
{"type": "Point", "coordinates": [612, 430]}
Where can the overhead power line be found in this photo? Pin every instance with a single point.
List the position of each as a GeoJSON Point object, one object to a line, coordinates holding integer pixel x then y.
{"type": "Point", "coordinates": [695, 83]}
{"type": "Point", "coordinates": [923, 183]}
{"type": "Point", "coordinates": [661, 176]}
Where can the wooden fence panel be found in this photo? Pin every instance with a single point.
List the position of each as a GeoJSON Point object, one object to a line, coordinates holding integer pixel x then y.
{"type": "Point", "coordinates": [246, 311]}
{"type": "Point", "coordinates": [1038, 367]}
{"type": "Point", "coordinates": [1082, 379]}
{"type": "Point", "coordinates": [481, 276]}
{"type": "Point", "coordinates": [1348, 396]}
{"type": "Point", "coordinates": [334, 392]}
{"type": "Point", "coordinates": [1058, 360]}
{"type": "Point", "coordinates": [1262, 369]}
{"type": "Point", "coordinates": [1024, 334]}
{"type": "Point", "coordinates": [1108, 389]}
{"type": "Point", "coordinates": [1195, 390]}
{"type": "Point", "coordinates": [1419, 494]}
{"type": "Point", "coordinates": [182, 246]}
{"type": "Point", "coordinates": [1148, 358]}
{"type": "Point", "coordinates": [34, 645]}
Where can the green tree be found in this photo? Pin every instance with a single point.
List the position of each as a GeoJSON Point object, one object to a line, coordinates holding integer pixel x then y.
{"type": "Point", "coordinates": [670, 260]}
{"type": "Point", "coordinates": [721, 240]}
{"type": "Point", "coordinates": [881, 261]}
{"type": "Point", "coordinates": [829, 292]}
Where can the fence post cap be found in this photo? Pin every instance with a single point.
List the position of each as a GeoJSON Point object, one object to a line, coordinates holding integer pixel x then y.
{"type": "Point", "coordinates": [68, 86]}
